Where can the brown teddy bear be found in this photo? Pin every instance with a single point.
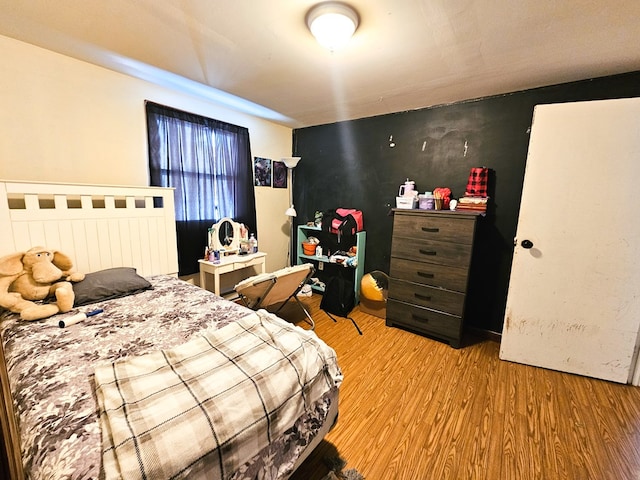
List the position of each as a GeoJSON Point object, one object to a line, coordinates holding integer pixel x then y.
{"type": "Point", "coordinates": [35, 275]}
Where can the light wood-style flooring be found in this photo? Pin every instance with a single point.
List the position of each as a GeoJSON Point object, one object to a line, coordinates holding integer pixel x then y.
{"type": "Point", "coordinates": [415, 408]}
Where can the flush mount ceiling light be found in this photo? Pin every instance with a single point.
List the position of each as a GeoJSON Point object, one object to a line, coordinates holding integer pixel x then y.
{"type": "Point", "coordinates": [332, 23]}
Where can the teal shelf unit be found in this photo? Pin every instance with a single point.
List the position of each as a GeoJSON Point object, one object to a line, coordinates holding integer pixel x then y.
{"type": "Point", "coordinates": [305, 232]}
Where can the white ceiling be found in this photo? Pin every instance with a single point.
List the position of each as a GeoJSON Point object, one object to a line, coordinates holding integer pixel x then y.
{"type": "Point", "coordinates": [406, 54]}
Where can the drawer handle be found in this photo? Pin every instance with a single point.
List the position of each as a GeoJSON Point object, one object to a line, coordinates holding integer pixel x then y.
{"type": "Point", "coordinates": [428, 252]}
{"type": "Point", "coordinates": [430, 230]}
{"type": "Point", "coordinates": [422, 297]}
{"type": "Point", "coordinates": [418, 317]}
{"type": "Point", "coordinates": [425, 274]}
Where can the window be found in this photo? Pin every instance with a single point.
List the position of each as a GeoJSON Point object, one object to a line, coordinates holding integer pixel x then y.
{"type": "Point", "coordinates": [208, 162]}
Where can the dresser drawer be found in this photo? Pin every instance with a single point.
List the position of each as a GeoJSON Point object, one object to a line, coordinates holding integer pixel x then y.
{"type": "Point", "coordinates": [443, 253]}
{"type": "Point", "coordinates": [425, 296]}
{"type": "Point", "coordinates": [424, 320]}
{"type": "Point", "coordinates": [434, 227]}
{"type": "Point", "coordinates": [445, 276]}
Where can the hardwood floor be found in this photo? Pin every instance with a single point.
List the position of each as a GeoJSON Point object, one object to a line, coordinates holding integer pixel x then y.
{"type": "Point", "coordinates": [415, 408]}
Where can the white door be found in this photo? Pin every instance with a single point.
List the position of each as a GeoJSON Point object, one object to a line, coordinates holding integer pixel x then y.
{"type": "Point", "coordinates": [574, 294]}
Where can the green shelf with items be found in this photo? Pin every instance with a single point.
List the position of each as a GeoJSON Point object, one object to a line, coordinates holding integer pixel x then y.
{"type": "Point", "coordinates": [323, 263]}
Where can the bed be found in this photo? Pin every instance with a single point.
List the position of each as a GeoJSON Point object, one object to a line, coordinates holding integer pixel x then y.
{"type": "Point", "coordinates": [159, 384]}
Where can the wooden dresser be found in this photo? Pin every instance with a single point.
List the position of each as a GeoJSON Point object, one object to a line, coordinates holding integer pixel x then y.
{"type": "Point", "coordinates": [430, 259]}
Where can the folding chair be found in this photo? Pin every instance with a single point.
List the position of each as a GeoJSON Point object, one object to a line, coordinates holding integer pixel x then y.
{"type": "Point", "coordinates": [277, 288]}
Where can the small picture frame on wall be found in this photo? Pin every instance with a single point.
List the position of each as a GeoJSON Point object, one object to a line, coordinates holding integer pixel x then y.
{"type": "Point", "coordinates": [279, 175]}
{"type": "Point", "coordinates": [262, 171]}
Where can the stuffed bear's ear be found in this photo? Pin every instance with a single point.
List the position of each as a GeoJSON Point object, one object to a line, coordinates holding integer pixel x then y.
{"type": "Point", "coordinates": [11, 264]}
{"type": "Point", "coordinates": [62, 261]}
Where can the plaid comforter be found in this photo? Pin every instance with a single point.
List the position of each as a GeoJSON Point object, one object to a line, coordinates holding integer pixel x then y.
{"type": "Point", "coordinates": [206, 407]}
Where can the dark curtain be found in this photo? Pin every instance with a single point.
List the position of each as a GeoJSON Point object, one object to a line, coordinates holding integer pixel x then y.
{"type": "Point", "coordinates": [209, 164]}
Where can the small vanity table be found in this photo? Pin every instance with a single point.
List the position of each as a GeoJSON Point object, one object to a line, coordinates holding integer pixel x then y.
{"type": "Point", "coordinates": [225, 236]}
{"type": "Point", "coordinates": [229, 263]}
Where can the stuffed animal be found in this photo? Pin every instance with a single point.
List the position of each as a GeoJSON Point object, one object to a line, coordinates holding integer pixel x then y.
{"type": "Point", "coordinates": [35, 275]}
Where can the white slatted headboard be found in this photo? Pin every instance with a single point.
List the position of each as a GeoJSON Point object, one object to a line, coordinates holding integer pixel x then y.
{"type": "Point", "coordinates": [98, 226]}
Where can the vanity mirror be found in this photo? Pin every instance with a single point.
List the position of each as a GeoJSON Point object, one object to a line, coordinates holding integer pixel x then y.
{"type": "Point", "coordinates": [225, 236]}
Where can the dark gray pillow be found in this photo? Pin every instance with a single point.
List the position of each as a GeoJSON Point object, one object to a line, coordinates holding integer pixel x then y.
{"type": "Point", "coordinates": [107, 284]}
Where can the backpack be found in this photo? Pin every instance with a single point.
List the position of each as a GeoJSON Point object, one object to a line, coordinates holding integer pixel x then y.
{"type": "Point", "coordinates": [338, 297]}
{"type": "Point", "coordinates": [345, 223]}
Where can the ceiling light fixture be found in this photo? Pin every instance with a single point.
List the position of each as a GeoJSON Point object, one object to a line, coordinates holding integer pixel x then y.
{"type": "Point", "coordinates": [332, 23]}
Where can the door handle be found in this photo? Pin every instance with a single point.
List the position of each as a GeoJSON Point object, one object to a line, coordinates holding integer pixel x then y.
{"type": "Point", "coordinates": [526, 244]}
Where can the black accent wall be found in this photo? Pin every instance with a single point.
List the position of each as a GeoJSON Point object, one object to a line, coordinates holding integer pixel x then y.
{"type": "Point", "coordinates": [353, 164]}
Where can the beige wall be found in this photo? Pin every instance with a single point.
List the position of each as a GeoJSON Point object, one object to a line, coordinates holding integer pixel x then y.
{"type": "Point", "coordinates": [64, 120]}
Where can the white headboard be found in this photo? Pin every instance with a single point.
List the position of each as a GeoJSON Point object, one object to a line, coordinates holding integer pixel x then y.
{"type": "Point", "coordinates": [98, 226]}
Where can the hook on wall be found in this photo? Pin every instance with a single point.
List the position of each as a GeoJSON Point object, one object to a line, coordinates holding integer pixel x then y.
{"type": "Point", "coordinates": [391, 142]}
